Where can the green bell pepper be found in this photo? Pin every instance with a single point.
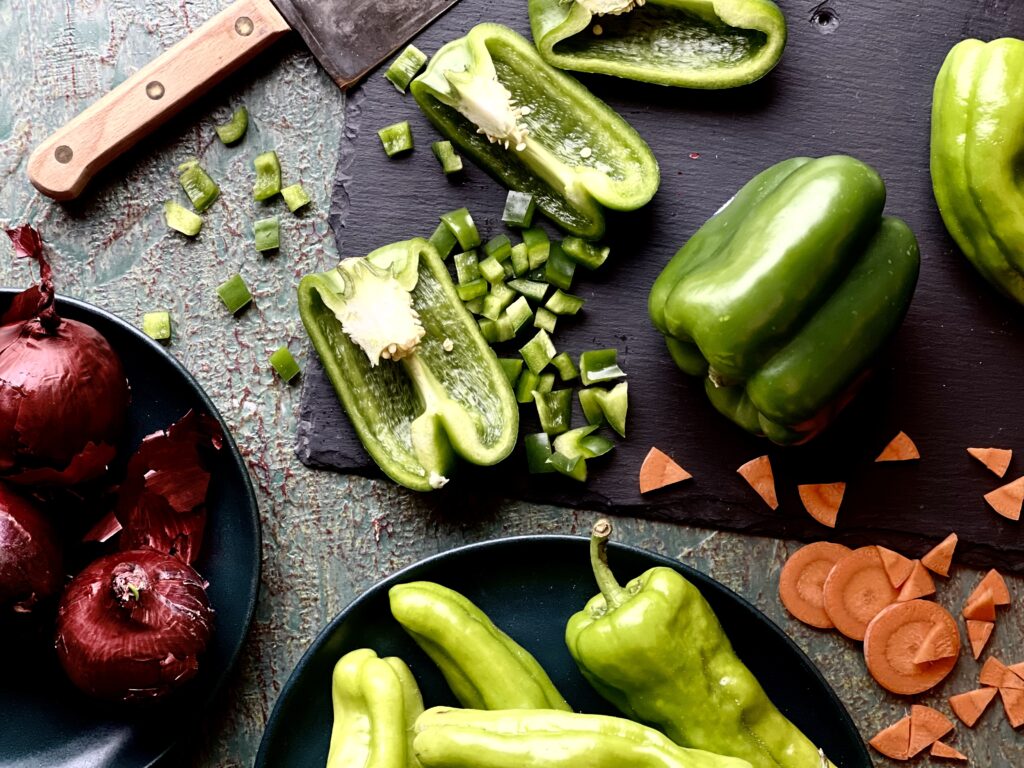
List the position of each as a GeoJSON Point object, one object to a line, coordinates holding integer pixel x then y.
{"type": "Point", "coordinates": [467, 738]}
{"type": "Point", "coordinates": [977, 153]}
{"type": "Point", "coordinates": [688, 43]}
{"type": "Point", "coordinates": [655, 650]}
{"type": "Point", "coordinates": [535, 129]}
{"type": "Point", "coordinates": [786, 295]}
{"type": "Point", "coordinates": [417, 379]}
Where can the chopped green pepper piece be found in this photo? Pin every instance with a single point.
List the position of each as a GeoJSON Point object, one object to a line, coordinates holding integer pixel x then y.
{"type": "Point", "coordinates": [497, 331]}
{"type": "Point", "coordinates": [519, 313]}
{"type": "Point", "coordinates": [562, 303]}
{"type": "Point", "coordinates": [489, 330]}
{"type": "Point", "coordinates": [234, 293]}
{"type": "Point", "coordinates": [461, 223]}
{"type": "Point", "coordinates": [606, 405]}
{"type": "Point", "coordinates": [582, 443]}
{"type": "Point", "coordinates": [538, 351]}
{"type": "Point", "coordinates": [267, 234]}
{"type": "Point", "coordinates": [508, 268]}
{"type": "Point", "coordinates": [525, 387]}
{"type": "Point", "coordinates": [157, 325]}
{"type": "Point", "coordinates": [181, 219]}
{"type": "Point", "coordinates": [405, 67]}
{"type": "Point", "coordinates": [476, 305]}
{"type": "Point", "coordinates": [520, 259]}
{"type": "Point", "coordinates": [576, 468]}
{"type": "Point", "coordinates": [538, 451]}
{"type": "Point", "coordinates": [499, 247]}
{"type": "Point", "coordinates": [565, 367]}
{"type": "Point", "coordinates": [545, 382]}
{"type": "Point", "coordinates": [443, 240]}
{"type": "Point", "coordinates": [519, 208]}
{"type": "Point", "coordinates": [585, 253]}
{"type": "Point", "coordinates": [545, 319]}
{"type": "Point", "coordinates": [200, 188]}
{"type": "Point", "coordinates": [531, 289]}
{"type": "Point", "coordinates": [599, 365]}
{"type": "Point", "coordinates": [396, 138]}
{"type": "Point", "coordinates": [467, 268]}
{"type": "Point", "coordinates": [295, 197]}
{"type": "Point", "coordinates": [499, 298]}
{"type": "Point", "coordinates": [592, 411]}
{"type": "Point", "coordinates": [554, 409]}
{"type": "Point", "coordinates": [559, 268]}
{"type": "Point", "coordinates": [474, 289]}
{"type": "Point", "coordinates": [594, 446]}
{"type": "Point", "coordinates": [447, 157]}
{"type": "Point", "coordinates": [538, 246]}
{"type": "Point", "coordinates": [492, 270]}
{"type": "Point", "coordinates": [268, 176]}
{"type": "Point", "coordinates": [284, 364]}
{"type": "Point", "coordinates": [233, 129]}
{"type": "Point", "coordinates": [512, 366]}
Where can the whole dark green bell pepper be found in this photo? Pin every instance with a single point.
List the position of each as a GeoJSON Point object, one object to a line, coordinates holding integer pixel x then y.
{"type": "Point", "coordinates": [655, 650]}
{"type": "Point", "coordinates": [784, 297]}
{"type": "Point", "coordinates": [536, 129]}
{"type": "Point", "coordinates": [977, 154]}
{"type": "Point", "coordinates": [688, 43]}
{"type": "Point", "coordinates": [417, 379]}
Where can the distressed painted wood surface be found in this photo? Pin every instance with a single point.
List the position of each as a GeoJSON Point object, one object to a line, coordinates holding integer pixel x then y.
{"type": "Point", "coordinates": [326, 537]}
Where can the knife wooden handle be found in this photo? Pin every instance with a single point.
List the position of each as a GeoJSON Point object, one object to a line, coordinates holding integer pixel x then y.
{"type": "Point", "coordinates": [65, 162]}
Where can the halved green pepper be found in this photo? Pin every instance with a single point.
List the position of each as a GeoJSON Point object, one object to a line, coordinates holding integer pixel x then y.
{"type": "Point", "coordinates": [536, 129]}
{"type": "Point", "coordinates": [417, 379]}
{"type": "Point", "coordinates": [977, 157]}
{"type": "Point", "coordinates": [785, 296]}
{"type": "Point", "coordinates": [688, 43]}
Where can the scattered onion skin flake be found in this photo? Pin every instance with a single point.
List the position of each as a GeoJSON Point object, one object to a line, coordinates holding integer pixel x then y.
{"type": "Point", "coordinates": [918, 584]}
{"type": "Point", "coordinates": [802, 582]}
{"type": "Point", "coordinates": [971, 705]}
{"type": "Point", "coordinates": [939, 559]}
{"type": "Point", "coordinates": [660, 470]}
{"type": "Point", "coordinates": [927, 726]}
{"type": "Point", "coordinates": [897, 567]}
{"type": "Point", "coordinates": [996, 584]}
{"type": "Point", "coordinates": [891, 642]}
{"type": "Point", "coordinates": [997, 460]}
{"type": "Point", "coordinates": [822, 501]}
{"type": "Point", "coordinates": [943, 751]}
{"type": "Point", "coordinates": [900, 448]}
{"type": "Point", "coordinates": [894, 741]}
{"type": "Point", "coordinates": [759, 476]}
{"type": "Point", "coordinates": [1007, 499]}
{"type": "Point", "coordinates": [1013, 705]}
{"type": "Point", "coordinates": [978, 633]}
{"type": "Point", "coordinates": [856, 590]}
{"type": "Point", "coordinates": [30, 554]}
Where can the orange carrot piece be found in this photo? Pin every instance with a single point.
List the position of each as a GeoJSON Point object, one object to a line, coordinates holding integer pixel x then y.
{"type": "Point", "coordinates": [822, 500]}
{"type": "Point", "coordinates": [1017, 669]}
{"type": "Point", "coordinates": [659, 470]}
{"type": "Point", "coordinates": [936, 645]}
{"type": "Point", "coordinates": [978, 632]}
{"type": "Point", "coordinates": [896, 566]}
{"type": "Point", "coordinates": [893, 638]}
{"type": "Point", "coordinates": [856, 589]}
{"type": "Point", "coordinates": [894, 741]}
{"type": "Point", "coordinates": [992, 672]}
{"type": "Point", "coordinates": [927, 726]}
{"type": "Point", "coordinates": [1007, 499]}
{"type": "Point", "coordinates": [1013, 703]}
{"type": "Point", "coordinates": [940, 557]}
{"type": "Point", "coordinates": [919, 584]}
{"type": "Point", "coordinates": [994, 582]}
{"type": "Point", "coordinates": [802, 582]}
{"type": "Point", "coordinates": [996, 459]}
{"type": "Point", "coordinates": [970, 706]}
{"type": "Point", "coordinates": [980, 607]}
{"type": "Point", "coordinates": [900, 448]}
{"type": "Point", "coordinates": [946, 752]}
{"type": "Point", "coordinates": [758, 474]}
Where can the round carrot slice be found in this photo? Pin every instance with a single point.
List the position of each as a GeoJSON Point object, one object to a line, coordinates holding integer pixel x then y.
{"type": "Point", "coordinates": [856, 589]}
{"type": "Point", "coordinates": [802, 582]}
{"type": "Point", "coordinates": [893, 638]}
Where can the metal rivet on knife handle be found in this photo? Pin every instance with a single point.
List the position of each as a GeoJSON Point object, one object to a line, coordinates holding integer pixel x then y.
{"type": "Point", "coordinates": [63, 154]}
{"type": "Point", "coordinates": [244, 26]}
{"type": "Point", "coordinates": [155, 90]}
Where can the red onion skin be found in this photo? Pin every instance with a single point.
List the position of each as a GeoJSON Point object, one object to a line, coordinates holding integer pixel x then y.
{"type": "Point", "coordinates": [30, 557]}
{"type": "Point", "coordinates": [117, 647]}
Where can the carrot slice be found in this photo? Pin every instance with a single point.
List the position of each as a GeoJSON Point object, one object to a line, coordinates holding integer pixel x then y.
{"type": "Point", "coordinates": [856, 589]}
{"type": "Point", "coordinates": [940, 557]}
{"type": "Point", "coordinates": [659, 470]}
{"type": "Point", "coordinates": [998, 675]}
{"type": "Point", "coordinates": [1007, 499]}
{"type": "Point", "coordinates": [970, 706]}
{"type": "Point", "coordinates": [893, 638]}
{"type": "Point", "coordinates": [936, 645]}
{"type": "Point", "coordinates": [1013, 703]}
{"type": "Point", "coordinates": [919, 584]}
{"type": "Point", "coordinates": [758, 474]}
{"type": "Point", "coordinates": [1017, 669]}
{"type": "Point", "coordinates": [994, 582]}
{"type": "Point", "coordinates": [946, 752]}
{"type": "Point", "coordinates": [822, 500]}
{"type": "Point", "coordinates": [927, 726]}
{"type": "Point", "coordinates": [978, 632]}
{"type": "Point", "coordinates": [896, 566]}
{"type": "Point", "coordinates": [894, 741]}
{"type": "Point", "coordinates": [802, 581]}
{"type": "Point", "coordinates": [996, 459]}
{"type": "Point", "coordinates": [900, 448]}
{"type": "Point", "coordinates": [980, 607]}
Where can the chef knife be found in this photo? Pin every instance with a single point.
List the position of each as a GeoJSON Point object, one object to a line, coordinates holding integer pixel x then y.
{"type": "Point", "coordinates": [347, 37]}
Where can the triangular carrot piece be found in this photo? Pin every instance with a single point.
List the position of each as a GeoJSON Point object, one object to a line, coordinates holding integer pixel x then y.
{"type": "Point", "coordinates": [897, 567]}
{"type": "Point", "coordinates": [978, 632]}
{"type": "Point", "coordinates": [1007, 499]}
{"type": "Point", "coordinates": [1017, 669]}
{"type": "Point", "coordinates": [659, 470]}
{"type": "Point", "coordinates": [998, 675]}
{"type": "Point", "coordinates": [996, 459]}
{"type": "Point", "coordinates": [970, 706]}
{"type": "Point", "coordinates": [758, 474]}
{"type": "Point", "coordinates": [918, 584]}
{"type": "Point", "coordinates": [822, 500]}
{"type": "Point", "coordinates": [946, 752]}
{"type": "Point", "coordinates": [980, 607]}
{"type": "Point", "coordinates": [1013, 703]}
{"type": "Point", "coordinates": [894, 741]}
{"type": "Point", "coordinates": [994, 583]}
{"type": "Point", "coordinates": [940, 557]}
{"type": "Point", "coordinates": [927, 726]}
{"type": "Point", "coordinates": [937, 645]}
{"type": "Point", "coordinates": [900, 448]}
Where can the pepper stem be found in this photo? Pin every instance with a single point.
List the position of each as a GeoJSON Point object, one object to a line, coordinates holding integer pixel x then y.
{"type": "Point", "coordinates": [613, 592]}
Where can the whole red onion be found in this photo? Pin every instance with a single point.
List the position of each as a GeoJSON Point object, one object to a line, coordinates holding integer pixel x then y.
{"type": "Point", "coordinates": [132, 624]}
{"type": "Point", "coordinates": [63, 392]}
{"type": "Point", "coordinates": [30, 559]}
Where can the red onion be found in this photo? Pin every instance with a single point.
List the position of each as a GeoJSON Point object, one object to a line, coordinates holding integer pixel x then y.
{"type": "Point", "coordinates": [30, 559]}
{"type": "Point", "coordinates": [132, 624]}
{"type": "Point", "coordinates": [63, 392]}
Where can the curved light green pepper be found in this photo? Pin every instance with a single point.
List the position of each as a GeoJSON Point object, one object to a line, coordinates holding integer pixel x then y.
{"type": "Point", "coordinates": [687, 43]}
{"type": "Point", "coordinates": [536, 129]}
{"type": "Point", "coordinates": [977, 153]}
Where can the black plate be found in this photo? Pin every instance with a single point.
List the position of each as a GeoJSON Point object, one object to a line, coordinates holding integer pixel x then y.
{"type": "Point", "coordinates": [529, 586]}
{"type": "Point", "coordinates": [47, 722]}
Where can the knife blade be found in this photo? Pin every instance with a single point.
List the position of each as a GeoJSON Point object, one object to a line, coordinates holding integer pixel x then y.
{"type": "Point", "coordinates": [348, 37]}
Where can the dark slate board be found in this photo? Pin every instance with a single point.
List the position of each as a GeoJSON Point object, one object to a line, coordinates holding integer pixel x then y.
{"type": "Point", "coordinates": [860, 84]}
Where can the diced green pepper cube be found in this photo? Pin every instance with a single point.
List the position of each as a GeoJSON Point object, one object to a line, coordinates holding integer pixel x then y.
{"type": "Point", "coordinates": [295, 197]}
{"type": "Point", "coordinates": [467, 268]}
{"type": "Point", "coordinates": [234, 293]}
{"type": "Point", "coordinates": [512, 366]}
{"type": "Point", "coordinates": [585, 253]}
{"type": "Point", "coordinates": [284, 364]}
{"type": "Point", "coordinates": [582, 443]}
{"type": "Point", "coordinates": [268, 175]}
{"type": "Point", "coordinates": [562, 303]}
{"type": "Point", "coordinates": [396, 138]}
{"type": "Point", "coordinates": [599, 365]}
{"type": "Point", "coordinates": [545, 382]}
{"type": "Point", "coordinates": [575, 468]}
{"type": "Point", "coordinates": [267, 233]}
{"type": "Point", "coordinates": [489, 330]}
{"type": "Point", "coordinates": [476, 306]}
{"type": "Point", "coordinates": [614, 404]}
{"type": "Point", "coordinates": [509, 270]}
{"type": "Point", "coordinates": [504, 328]}
{"type": "Point", "coordinates": [538, 351]}
{"type": "Point", "coordinates": [565, 367]}
{"type": "Point", "coordinates": [181, 219]}
{"type": "Point", "coordinates": [499, 298]}
{"type": "Point", "coordinates": [443, 240]}
{"type": "Point", "coordinates": [591, 405]}
{"type": "Point", "coordinates": [474, 289]}
{"type": "Point", "coordinates": [538, 246]}
{"type": "Point", "coordinates": [538, 451]}
{"type": "Point", "coordinates": [447, 157]}
{"type": "Point", "coordinates": [519, 313]}
{"type": "Point", "coordinates": [461, 223]}
{"type": "Point", "coordinates": [200, 188]}
{"type": "Point", "coordinates": [519, 208]}
{"type": "Point", "coordinates": [520, 259]}
{"type": "Point", "coordinates": [404, 68]}
{"type": "Point", "coordinates": [531, 289]}
{"type": "Point", "coordinates": [528, 382]}
{"type": "Point", "coordinates": [499, 247]}
{"type": "Point", "coordinates": [545, 319]}
{"type": "Point", "coordinates": [157, 325]}
{"type": "Point", "coordinates": [234, 128]}
{"type": "Point", "coordinates": [492, 270]}
{"type": "Point", "coordinates": [554, 409]}
{"type": "Point", "coordinates": [559, 268]}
